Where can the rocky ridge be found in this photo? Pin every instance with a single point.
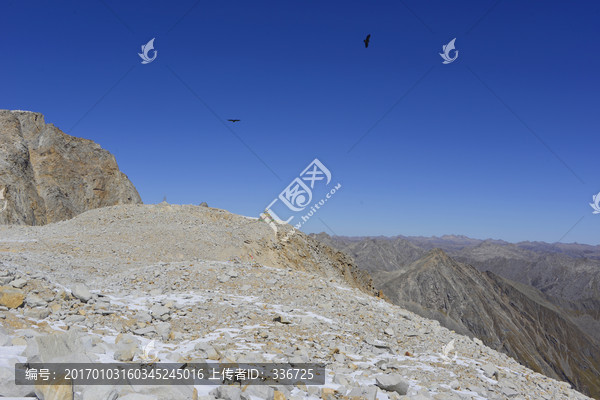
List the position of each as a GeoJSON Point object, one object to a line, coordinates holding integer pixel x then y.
{"type": "Point", "coordinates": [208, 285]}
{"type": "Point", "coordinates": [48, 176]}
{"type": "Point", "coordinates": [568, 274]}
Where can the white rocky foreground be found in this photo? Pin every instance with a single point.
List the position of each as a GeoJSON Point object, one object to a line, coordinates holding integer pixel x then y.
{"type": "Point", "coordinates": [82, 291]}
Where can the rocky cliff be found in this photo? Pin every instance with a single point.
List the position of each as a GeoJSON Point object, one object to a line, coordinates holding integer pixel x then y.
{"type": "Point", "coordinates": [48, 176]}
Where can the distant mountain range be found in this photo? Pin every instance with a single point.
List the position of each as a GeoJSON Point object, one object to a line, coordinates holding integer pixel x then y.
{"type": "Point", "coordinates": [537, 302]}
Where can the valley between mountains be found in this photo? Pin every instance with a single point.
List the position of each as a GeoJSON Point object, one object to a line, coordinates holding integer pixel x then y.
{"type": "Point", "coordinates": [536, 302]}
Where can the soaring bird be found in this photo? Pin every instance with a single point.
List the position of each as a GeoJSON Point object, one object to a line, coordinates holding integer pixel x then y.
{"type": "Point", "coordinates": [233, 120]}
{"type": "Point", "coordinates": [367, 40]}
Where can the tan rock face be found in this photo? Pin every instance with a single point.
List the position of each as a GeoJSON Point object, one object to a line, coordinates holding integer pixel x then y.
{"type": "Point", "coordinates": [48, 176]}
{"type": "Point", "coordinates": [11, 297]}
{"type": "Point", "coordinates": [278, 395]}
{"type": "Point", "coordinates": [62, 390]}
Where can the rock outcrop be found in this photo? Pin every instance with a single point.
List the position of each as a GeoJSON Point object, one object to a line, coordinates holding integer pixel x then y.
{"type": "Point", "coordinates": [48, 176]}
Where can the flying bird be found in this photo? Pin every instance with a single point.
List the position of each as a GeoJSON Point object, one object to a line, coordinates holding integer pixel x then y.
{"type": "Point", "coordinates": [233, 120]}
{"type": "Point", "coordinates": [367, 40]}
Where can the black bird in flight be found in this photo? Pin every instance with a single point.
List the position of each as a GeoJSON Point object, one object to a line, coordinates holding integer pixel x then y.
{"type": "Point", "coordinates": [367, 40]}
{"type": "Point", "coordinates": [233, 120]}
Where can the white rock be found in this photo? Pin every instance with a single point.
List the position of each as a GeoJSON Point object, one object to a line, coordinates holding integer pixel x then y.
{"type": "Point", "coordinates": [163, 329]}
{"type": "Point", "coordinates": [126, 348]}
{"type": "Point", "coordinates": [490, 371]}
{"type": "Point", "coordinates": [145, 331]}
{"type": "Point", "coordinates": [18, 283]}
{"type": "Point", "coordinates": [366, 393]}
{"type": "Point", "coordinates": [56, 347]}
{"type": "Point", "coordinates": [8, 387]}
{"type": "Point", "coordinates": [143, 316]}
{"type": "Point", "coordinates": [37, 313]}
{"type": "Point", "coordinates": [33, 300]}
{"type": "Point", "coordinates": [81, 292]}
{"type": "Point", "coordinates": [227, 392]}
{"type": "Point", "coordinates": [5, 338]}
{"type": "Point", "coordinates": [392, 383]}
{"type": "Point", "coordinates": [159, 312]}
{"type": "Point", "coordinates": [258, 391]}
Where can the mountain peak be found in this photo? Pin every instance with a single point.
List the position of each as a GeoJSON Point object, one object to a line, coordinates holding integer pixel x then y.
{"type": "Point", "coordinates": [50, 176]}
{"type": "Point", "coordinates": [436, 256]}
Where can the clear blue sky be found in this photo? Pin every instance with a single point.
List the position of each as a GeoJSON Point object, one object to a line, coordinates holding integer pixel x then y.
{"type": "Point", "coordinates": [461, 153]}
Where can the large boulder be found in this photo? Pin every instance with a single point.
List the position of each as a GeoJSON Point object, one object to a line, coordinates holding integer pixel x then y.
{"type": "Point", "coordinates": [8, 388]}
{"type": "Point", "coordinates": [81, 292]}
{"type": "Point", "coordinates": [57, 348]}
{"type": "Point", "coordinates": [48, 176]}
{"type": "Point", "coordinates": [127, 346]}
{"type": "Point", "coordinates": [392, 383]}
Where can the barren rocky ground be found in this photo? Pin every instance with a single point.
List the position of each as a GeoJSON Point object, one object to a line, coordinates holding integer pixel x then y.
{"type": "Point", "coordinates": [205, 284]}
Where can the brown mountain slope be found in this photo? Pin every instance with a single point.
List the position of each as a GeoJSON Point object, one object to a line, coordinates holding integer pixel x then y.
{"type": "Point", "coordinates": [568, 273]}
{"type": "Point", "coordinates": [515, 319]}
{"type": "Point", "coordinates": [375, 253]}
